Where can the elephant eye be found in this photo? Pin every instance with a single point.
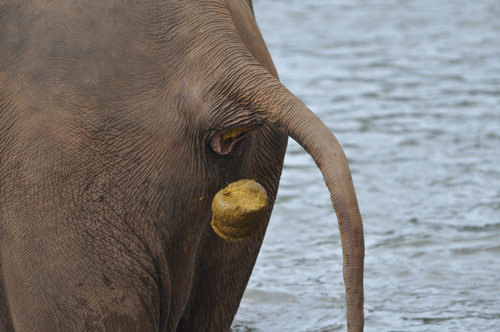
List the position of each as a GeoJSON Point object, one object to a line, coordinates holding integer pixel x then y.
{"type": "Point", "coordinates": [223, 142]}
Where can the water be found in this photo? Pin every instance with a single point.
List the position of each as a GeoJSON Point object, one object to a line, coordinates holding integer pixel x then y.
{"type": "Point", "coordinates": [412, 91]}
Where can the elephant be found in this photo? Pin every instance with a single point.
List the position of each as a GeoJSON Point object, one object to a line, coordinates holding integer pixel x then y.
{"type": "Point", "coordinates": [120, 121]}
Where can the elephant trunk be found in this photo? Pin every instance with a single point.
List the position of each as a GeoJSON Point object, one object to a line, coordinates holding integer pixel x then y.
{"type": "Point", "coordinates": [280, 107]}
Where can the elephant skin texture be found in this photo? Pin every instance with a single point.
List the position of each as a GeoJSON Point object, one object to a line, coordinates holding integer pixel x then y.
{"type": "Point", "coordinates": [119, 122]}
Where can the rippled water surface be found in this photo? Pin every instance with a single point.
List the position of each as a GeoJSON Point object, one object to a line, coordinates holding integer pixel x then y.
{"type": "Point", "coordinates": [412, 91]}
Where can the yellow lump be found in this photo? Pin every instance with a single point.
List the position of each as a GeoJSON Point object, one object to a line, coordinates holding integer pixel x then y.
{"type": "Point", "coordinates": [238, 210]}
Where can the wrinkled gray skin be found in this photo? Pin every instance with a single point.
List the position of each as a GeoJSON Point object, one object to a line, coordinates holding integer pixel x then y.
{"type": "Point", "coordinates": [111, 114]}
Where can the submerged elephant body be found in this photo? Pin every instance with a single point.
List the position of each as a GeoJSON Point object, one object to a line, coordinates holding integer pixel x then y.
{"type": "Point", "coordinates": [119, 122]}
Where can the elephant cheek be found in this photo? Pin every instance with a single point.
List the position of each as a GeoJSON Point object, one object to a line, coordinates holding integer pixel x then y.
{"type": "Point", "coordinates": [238, 210]}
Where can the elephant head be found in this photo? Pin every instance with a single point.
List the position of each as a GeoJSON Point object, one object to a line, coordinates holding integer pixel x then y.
{"type": "Point", "coordinates": [125, 118]}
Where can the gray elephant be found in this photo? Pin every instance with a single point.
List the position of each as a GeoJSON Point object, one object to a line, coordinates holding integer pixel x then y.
{"type": "Point", "coordinates": [119, 123]}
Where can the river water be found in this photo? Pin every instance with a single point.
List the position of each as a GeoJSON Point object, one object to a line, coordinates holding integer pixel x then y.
{"type": "Point", "coordinates": [412, 91]}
